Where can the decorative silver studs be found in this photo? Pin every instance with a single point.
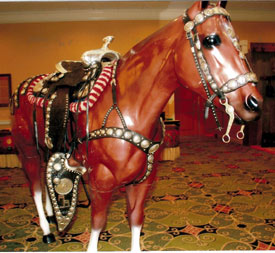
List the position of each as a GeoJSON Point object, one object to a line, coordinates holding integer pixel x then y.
{"type": "Point", "coordinates": [56, 180]}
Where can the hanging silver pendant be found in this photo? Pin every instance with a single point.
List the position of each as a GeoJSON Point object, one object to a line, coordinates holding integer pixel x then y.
{"type": "Point", "coordinates": [62, 182]}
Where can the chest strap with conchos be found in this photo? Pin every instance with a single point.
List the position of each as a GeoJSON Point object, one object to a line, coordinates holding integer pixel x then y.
{"type": "Point", "coordinates": [124, 133]}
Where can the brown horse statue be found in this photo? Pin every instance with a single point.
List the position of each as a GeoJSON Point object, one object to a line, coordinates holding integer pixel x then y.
{"type": "Point", "coordinates": [109, 123]}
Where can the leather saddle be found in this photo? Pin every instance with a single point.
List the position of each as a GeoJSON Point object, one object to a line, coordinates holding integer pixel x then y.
{"type": "Point", "coordinates": [72, 82]}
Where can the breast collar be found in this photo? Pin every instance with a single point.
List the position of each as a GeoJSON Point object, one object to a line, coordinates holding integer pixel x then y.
{"type": "Point", "coordinates": [149, 147]}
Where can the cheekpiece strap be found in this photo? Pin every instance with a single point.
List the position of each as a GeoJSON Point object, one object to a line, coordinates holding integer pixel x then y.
{"type": "Point", "coordinates": [201, 63]}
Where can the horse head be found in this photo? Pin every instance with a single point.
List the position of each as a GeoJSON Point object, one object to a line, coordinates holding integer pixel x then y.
{"type": "Point", "coordinates": [219, 66]}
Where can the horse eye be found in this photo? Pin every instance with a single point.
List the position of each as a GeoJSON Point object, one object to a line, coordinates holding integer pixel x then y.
{"type": "Point", "coordinates": [211, 41]}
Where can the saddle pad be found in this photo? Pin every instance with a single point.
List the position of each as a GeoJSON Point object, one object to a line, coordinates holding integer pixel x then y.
{"type": "Point", "coordinates": [103, 80]}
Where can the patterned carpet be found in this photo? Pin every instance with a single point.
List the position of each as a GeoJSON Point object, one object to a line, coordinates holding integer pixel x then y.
{"type": "Point", "coordinates": [215, 196]}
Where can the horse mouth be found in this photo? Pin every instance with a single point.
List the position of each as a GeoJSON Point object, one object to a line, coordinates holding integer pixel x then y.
{"type": "Point", "coordinates": [240, 121]}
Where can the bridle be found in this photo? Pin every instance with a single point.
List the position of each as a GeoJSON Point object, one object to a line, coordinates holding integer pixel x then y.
{"type": "Point", "coordinates": [204, 70]}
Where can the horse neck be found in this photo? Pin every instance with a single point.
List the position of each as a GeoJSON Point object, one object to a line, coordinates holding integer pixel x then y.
{"type": "Point", "coordinates": [147, 78]}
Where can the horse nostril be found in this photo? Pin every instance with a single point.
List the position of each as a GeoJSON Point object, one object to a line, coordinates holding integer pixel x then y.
{"type": "Point", "coordinates": [252, 104]}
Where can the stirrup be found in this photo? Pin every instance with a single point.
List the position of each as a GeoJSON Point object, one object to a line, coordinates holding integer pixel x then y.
{"type": "Point", "coordinates": [62, 182]}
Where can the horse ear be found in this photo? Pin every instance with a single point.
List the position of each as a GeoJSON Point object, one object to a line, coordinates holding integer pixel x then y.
{"type": "Point", "coordinates": [222, 4]}
{"type": "Point", "coordinates": [204, 4]}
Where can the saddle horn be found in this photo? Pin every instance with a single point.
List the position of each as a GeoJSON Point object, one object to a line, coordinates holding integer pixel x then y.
{"type": "Point", "coordinates": [222, 4]}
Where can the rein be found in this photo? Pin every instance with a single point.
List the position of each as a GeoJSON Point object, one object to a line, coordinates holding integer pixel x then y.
{"type": "Point", "coordinates": [205, 72]}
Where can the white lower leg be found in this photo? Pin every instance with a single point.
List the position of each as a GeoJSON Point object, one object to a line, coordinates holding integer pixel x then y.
{"type": "Point", "coordinates": [48, 206]}
{"type": "Point", "coordinates": [42, 217]}
{"type": "Point", "coordinates": [135, 243]}
{"type": "Point", "coordinates": [92, 248]}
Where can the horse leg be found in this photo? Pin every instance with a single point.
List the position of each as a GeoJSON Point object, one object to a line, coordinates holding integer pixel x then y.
{"type": "Point", "coordinates": [136, 195]}
{"type": "Point", "coordinates": [49, 208]}
{"type": "Point", "coordinates": [31, 165]}
{"type": "Point", "coordinates": [100, 203]}
{"type": "Point", "coordinates": [102, 184]}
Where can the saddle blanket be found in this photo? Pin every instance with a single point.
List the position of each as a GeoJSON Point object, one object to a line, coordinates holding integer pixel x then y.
{"type": "Point", "coordinates": [78, 106]}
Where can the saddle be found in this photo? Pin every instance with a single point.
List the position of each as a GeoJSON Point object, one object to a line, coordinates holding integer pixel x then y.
{"type": "Point", "coordinates": [71, 83]}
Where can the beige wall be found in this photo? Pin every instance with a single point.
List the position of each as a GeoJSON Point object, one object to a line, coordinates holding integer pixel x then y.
{"type": "Point", "coordinates": [35, 48]}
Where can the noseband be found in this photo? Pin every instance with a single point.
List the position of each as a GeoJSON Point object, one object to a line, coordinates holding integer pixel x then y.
{"type": "Point", "coordinates": [205, 72]}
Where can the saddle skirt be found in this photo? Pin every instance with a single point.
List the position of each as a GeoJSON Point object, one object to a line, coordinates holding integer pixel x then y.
{"type": "Point", "coordinates": [79, 103]}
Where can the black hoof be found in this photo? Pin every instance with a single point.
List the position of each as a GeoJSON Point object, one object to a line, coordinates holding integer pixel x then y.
{"type": "Point", "coordinates": [48, 238]}
{"type": "Point", "coordinates": [51, 219]}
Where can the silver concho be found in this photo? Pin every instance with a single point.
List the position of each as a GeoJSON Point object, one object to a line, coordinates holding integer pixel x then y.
{"type": "Point", "coordinates": [151, 158]}
{"type": "Point", "coordinates": [110, 131]}
{"type": "Point", "coordinates": [232, 84]}
{"type": "Point", "coordinates": [189, 26]}
{"type": "Point", "coordinates": [64, 187]}
{"type": "Point", "coordinates": [241, 80]}
{"type": "Point", "coordinates": [136, 139]}
{"type": "Point", "coordinates": [208, 12]}
{"type": "Point", "coordinates": [154, 148]}
{"type": "Point", "coordinates": [145, 144]}
{"type": "Point", "coordinates": [57, 166]}
{"type": "Point", "coordinates": [119, 132]}
{"type": "Point", "coordinates": [127, 135]}
{"type": "Point", "coordinates": [199, 18]}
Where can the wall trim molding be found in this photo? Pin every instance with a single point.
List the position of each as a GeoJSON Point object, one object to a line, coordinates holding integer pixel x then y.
{"type": "Point", "coordinates": [161, 11]}
{"type": "Point", "coordinates": [5, 122]}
